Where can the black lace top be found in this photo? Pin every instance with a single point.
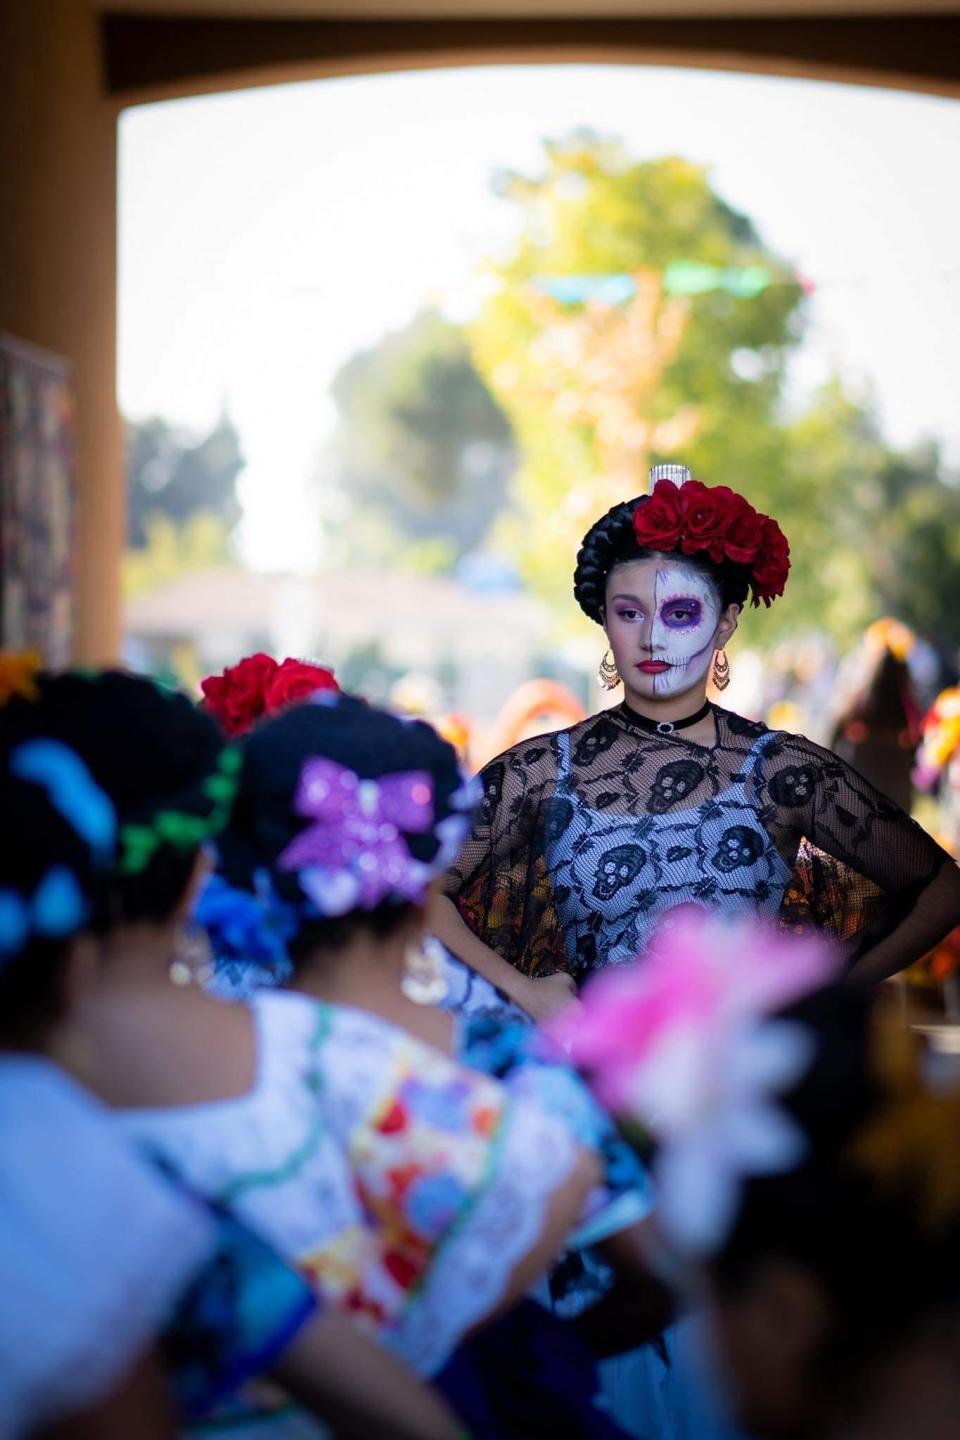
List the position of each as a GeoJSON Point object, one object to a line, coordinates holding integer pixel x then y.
{"type": "Point", "coordinates": [588, 835]}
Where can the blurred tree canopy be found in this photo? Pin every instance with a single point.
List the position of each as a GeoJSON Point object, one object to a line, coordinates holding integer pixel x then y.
{"type": "Point", "coordinates": [199, 543]}
{"type": "Point", "coordinates": [182, 505]}
{"type": "Point", "coordinates": [637, 318]}
{"type": "Point", "coordinates": [424, 450]}
{"type": "Point", "coordinates": [677, 366]}
{"type": "Point", "coordinates": [173, 475]}
{"type": "Point", "coordinates": [876, 531]}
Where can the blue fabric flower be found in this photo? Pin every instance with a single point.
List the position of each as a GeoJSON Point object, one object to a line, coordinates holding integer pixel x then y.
{"type": "Point", "coordinates": [71, 789]}
{"type": "Point", "coordinates": [56, 910]}
{"type": "Point", "coordinates": [249, 934]}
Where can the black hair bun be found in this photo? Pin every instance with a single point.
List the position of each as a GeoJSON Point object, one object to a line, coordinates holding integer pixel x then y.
{"type": "Point", "coordinates": [606, 542]}
{"type": "Point", "coordinates": [149, 748]}
{"type": "Point", "coordinates": [370, 742]}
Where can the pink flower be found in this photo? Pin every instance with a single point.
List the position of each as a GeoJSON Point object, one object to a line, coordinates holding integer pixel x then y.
{"type": "Point", "coordinates": [702, 973]}
{"type": "Point", "coordinates": [683, 1043]}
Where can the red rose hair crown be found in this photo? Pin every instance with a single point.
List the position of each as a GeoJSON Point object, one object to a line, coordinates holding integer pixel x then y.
{"type": "Point", "coordinates": [713, 520]}
{"type": "Point", "coordinates": [258, 687]}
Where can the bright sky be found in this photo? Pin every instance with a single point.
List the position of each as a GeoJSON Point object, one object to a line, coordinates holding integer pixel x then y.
{"type": "Point", "coordinates": [265, 235]}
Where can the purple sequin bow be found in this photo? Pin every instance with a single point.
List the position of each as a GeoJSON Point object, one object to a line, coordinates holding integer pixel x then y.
{"type": "Point", "coordinates": [354, 855]}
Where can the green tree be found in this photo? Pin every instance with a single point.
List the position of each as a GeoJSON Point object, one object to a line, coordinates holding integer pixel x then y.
{"type": "Point", "coordinates": [424, 449]}
{"type": "Point", "coordinates": [199, 543]}
{"type": "Point", "coordinates": [681, 365]}
{"type": "Point", "coordinates": [881, 526]}
{"type": "Point", "coordinates": [174, 475]}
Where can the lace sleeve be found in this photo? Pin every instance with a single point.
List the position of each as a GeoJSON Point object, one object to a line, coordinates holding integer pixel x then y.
{"type": "Point", "coordinates": [861, 859]}
{"type": "Point", "coordinates": [500, 882]}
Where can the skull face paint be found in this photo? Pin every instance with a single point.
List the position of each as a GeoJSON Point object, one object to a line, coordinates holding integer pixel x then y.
{"type": "Point", "coordinates": [685, 620]}
{"type": "Point", "coordinates": [663, 619]}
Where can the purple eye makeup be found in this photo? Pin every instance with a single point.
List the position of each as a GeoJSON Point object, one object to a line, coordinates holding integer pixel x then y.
{"type": "Point", "coordinates": [682, 612]}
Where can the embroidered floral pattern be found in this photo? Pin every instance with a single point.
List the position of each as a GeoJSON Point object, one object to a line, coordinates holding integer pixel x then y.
{"type": "Point", "coordinates": [403, 1187]}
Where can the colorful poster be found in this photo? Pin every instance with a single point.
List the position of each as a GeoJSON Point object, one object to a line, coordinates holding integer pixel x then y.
{"type": "Point", "coordinates": [37, 502]}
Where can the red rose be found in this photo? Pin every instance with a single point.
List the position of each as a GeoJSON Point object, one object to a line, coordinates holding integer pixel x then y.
{"type": "Point", "coordinates": [706, 510]}
{"type": "Point", "coordinates": [235, 698]}
{"type": "Point", "coordinates": [744, 535]}
{"type": "Point", "coordinates": [294, 680]}
{"type": "Point", "coordinates": [658, 522]}
{"type": "Point", "coordinates": [772, 565]}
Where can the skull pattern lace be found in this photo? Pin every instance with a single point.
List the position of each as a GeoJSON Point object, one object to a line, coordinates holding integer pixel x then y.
{"type": "Point", "coordinates": [588, 836]}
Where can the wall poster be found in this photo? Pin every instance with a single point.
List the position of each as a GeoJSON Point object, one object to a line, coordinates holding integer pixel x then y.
{"type": "Point", "coordinates": [37, 502]}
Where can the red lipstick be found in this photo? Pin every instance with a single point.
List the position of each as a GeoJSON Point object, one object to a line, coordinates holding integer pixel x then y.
{"type": "Point", "coordinates": [653, 667]}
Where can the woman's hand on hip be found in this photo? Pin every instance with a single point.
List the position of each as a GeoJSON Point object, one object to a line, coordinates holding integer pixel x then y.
{"type": "Point", "coordinates": [547, 995]}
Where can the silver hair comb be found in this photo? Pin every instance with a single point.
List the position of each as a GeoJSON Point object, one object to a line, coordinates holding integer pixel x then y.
{"type": "Point", "coordinates": [679, 474]}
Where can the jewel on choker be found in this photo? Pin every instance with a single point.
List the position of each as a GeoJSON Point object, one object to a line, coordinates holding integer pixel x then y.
{"type": "Point", "coordinates": [664, 727]}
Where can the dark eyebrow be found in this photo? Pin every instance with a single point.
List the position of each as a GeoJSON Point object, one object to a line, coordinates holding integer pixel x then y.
{"type": "Point", "coordinates": [628, 597]}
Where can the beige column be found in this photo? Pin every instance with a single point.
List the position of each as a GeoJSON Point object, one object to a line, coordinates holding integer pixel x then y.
{"type": "Point", "coordinates": [58, 263]}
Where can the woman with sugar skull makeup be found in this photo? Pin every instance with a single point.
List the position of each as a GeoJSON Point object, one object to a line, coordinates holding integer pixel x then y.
{"type": "Point", "coordinates": [589, 836]}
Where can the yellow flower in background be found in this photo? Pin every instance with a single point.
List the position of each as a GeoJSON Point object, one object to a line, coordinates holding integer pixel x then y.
{"type": "Point", "coordinates": [943, 740]}
{"type": "Point", "coordinates": [18, 672]}
{"type": "Point", "coordinates": [785, 715]}
{"type": "Point", "coordinates": [892, 635]}
{"type": "Point", "coordinates": [941, 737]}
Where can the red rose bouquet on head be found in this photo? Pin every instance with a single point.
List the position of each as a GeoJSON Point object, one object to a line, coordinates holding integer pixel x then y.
{"type": "Point", "coordinates": [706, 517]}
{"type": "Point", "coordinates": [772, 565]}
{"type": "Point", "coordinates": [296, 680]}
{"type": "Point", "coordinates": [258, 686]}
{"type": "Point", "coordinates": [694, 519]}
{"type": "Point", "coordinates": [658, 522]}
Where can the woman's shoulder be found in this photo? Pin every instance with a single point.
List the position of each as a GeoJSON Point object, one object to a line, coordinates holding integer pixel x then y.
{"type": "Point", "coordinates": [788, 745]}
{"type": "Point", "coordinates": [792, 748]}
{"type": "Point", "coordinates": [97, 1244]}
{"type": "Point", "coordinates": [544, 751]}
{"type": "Point", "coordinates": [740, 726]}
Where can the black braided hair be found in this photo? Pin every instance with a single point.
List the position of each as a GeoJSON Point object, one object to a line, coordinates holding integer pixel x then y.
{"type": "Point", "coordinates": [35, 837]}
{"type": "Point", "coordinates": [870, 1245]}
{"type": "Point", "coordinates": [370, 742]}
{"type": "Point", "coordinates": [150, 749]}
{"type": "Point", "coordinates": [611, 541]}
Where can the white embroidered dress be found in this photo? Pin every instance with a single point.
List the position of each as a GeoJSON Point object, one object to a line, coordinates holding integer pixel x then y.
{"type": "Point", "coordinates": [404, 1186]}
{"type": "Point", "coordinates": [94, 1249]}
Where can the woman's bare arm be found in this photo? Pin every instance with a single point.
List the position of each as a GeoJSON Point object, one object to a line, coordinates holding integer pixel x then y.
{"type": "Point", "coordinates": [935, 914]}
{"type": "Point", "coordinates": [639, 1306]}
{"type": "Point", "coordinates": [335, 1371]}
{"type": "Point", "coordinates": [361, 1390]}
{"type": "Point", "coordinates": [540, 998]}
{"type": "Point", "coordinates": [139, 1406]}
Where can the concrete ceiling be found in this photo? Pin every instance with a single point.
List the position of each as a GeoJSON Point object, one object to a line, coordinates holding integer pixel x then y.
{"type": "Point", "coordinates": [157, 49]}
{"type": "Point", "coordinates": [574, 9]}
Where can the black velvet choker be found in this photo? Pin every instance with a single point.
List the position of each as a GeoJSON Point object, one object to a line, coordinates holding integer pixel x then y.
{"type": "Point", "coordinates": [663, 727]}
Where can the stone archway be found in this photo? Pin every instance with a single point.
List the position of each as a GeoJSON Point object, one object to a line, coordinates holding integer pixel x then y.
{"type": "Point", "coordinates": [67, 67]}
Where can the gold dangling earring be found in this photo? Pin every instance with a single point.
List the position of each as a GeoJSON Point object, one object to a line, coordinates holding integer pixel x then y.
{"type": "Point", "coordinates": [608, 676]}
{"type": "Point", "coordinates": [423, 979]}
{"type": "Point", "coordinates": [721, 670]}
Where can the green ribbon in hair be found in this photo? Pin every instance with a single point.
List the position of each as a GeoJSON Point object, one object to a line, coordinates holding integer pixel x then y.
{"type": "Point", "coordinates": [182, 829]}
